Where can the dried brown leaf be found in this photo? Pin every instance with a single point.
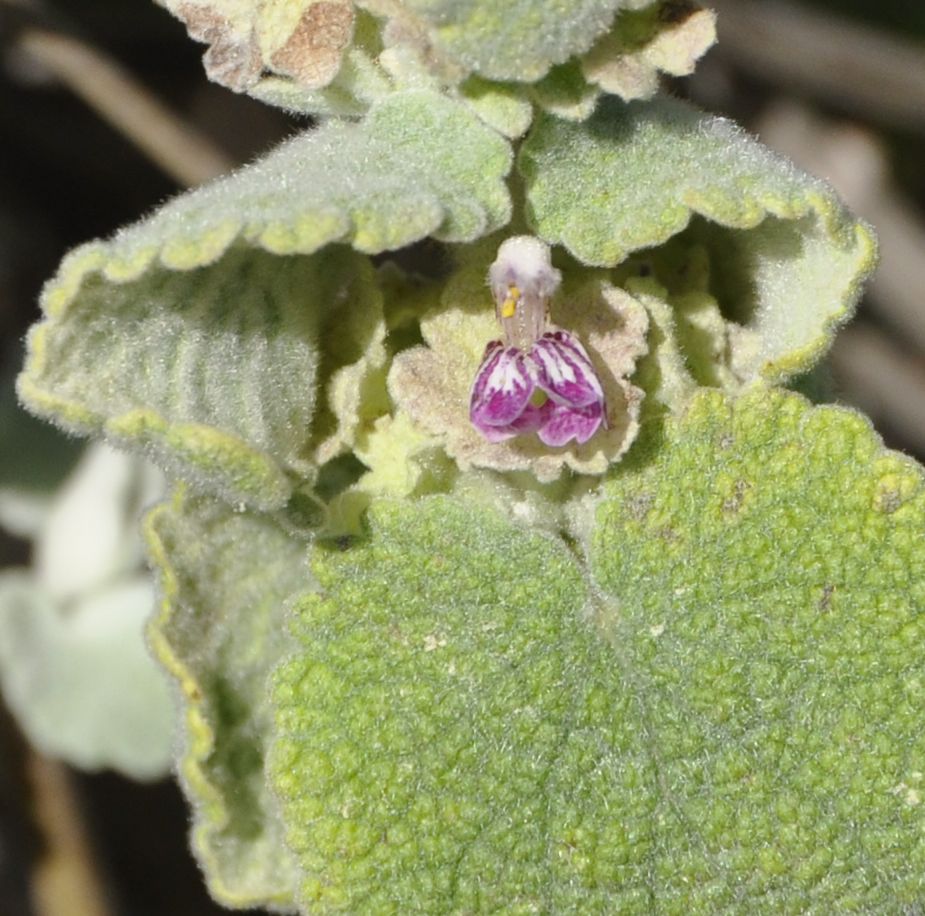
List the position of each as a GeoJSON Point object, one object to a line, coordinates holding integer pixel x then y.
{"type": "Point", "coordinates": [300, 39]}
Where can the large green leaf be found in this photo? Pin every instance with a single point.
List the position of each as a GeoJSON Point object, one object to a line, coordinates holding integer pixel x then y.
{"type": "Point", "coordinates": [633, 176]}
{"type": "Point", "coordinates": [225, 578]}
{"type": "Point", "coordinates": [448, 732]}
{"type": "Point", "coordinates": [185, 338]}
{"type": "Point", "coordinates": [764, 584]}
{"type": "Point", "coordinates": [726, 718]}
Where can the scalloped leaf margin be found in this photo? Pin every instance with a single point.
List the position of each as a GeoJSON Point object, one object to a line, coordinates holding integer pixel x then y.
{"type": "Point", "coordinates": [199, 272]}
{"type": "Point", "coordinates": [763, 578]}
{"type": "Point", "coordinates": [633, 176]}
{"type": "Point", "coordinates": [467, 724]}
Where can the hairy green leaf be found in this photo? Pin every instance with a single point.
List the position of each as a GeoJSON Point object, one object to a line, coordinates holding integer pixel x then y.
{"type": "Point", "coordinates": [335, 58]}
{"type": "Point", "coordinates": [501, 105]}
{"type": "Point", "coordinates": [185, 338]}
{"type": "Point", "coordinates": [212, 373]}
{"type": "Point", "coordinates": [360, 81]}
{"type": "Point", "coordinates": [731, 711]}
{"type": "Point", "coordinates": [668, 36]}
{"type": "Point", "coordinates": [565, 92]}
{"type": "Point", "coordinates": [225, 579]}
{"type": "Point", "coordinates": [664, 373]}
{"type": "Point", "coordinates": [764, 585]}
{"type": "Point", "coordinates": [633, 176]}
{"type": "Point", "coordinates": [518, 40]}
{"type": "Point", "coordinates": [448, 735]}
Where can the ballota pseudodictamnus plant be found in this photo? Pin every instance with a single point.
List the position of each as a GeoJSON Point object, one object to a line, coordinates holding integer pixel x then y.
{"type": "Point", "coordinates": [507, 571]}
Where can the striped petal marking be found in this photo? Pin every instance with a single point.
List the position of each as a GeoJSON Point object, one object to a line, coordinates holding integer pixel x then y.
{"type": "Point", "coordinates": [565, 371]}
{"type": "Point", "coordinates": [501, 390]}
{"type": "Point", "coordinates": [564, 423]}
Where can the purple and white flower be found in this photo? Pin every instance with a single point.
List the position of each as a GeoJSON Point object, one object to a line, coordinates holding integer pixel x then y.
{"type": "Point", "coordinates": [537, 380]}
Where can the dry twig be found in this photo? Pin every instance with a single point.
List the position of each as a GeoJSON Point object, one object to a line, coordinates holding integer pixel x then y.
{"type": "Point", "coordinates": [873, 73]}
{"type": "Point", "coordinates": [65, 882]}
{"type": "Point", "coordinates": [175, 146]}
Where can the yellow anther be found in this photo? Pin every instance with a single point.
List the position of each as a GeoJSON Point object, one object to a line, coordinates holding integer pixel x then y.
{"type": "Point", "coordinates": [509, 306]}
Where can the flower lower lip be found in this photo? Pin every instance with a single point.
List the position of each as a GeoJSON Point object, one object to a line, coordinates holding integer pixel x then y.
{"type": "Point", "coordinates": [557, 364]}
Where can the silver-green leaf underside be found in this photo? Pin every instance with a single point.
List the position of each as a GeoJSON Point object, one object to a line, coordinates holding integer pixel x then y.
{"type": "Point", "coordinates": [728, 711]}
{"type": "Point", "coordinates": [210, 372]}
{"type": "Point", "coordinates": [517, 40]}
{"type": "Point", "coordinates": [633, 176]}
{"type": "Point", "coordinates": [185, 338]}
{"type": "Point", "coordinates": [225, 578]}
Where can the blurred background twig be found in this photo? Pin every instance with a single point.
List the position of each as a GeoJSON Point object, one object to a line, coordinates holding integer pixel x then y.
{"type": "Point", "coordinates": [66, 880]}
{"type": "Point", "coordinates": [878, 75]}
{"type": "Point", "coordinates": [175, 146]}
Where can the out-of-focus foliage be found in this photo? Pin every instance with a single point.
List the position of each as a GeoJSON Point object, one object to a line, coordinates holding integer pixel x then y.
{"type": "Point", "coordinates": [74, 667]}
